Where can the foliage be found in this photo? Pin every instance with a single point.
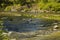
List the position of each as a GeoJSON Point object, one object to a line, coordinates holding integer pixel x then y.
{"type": "Point", "coordinates": [15, 6]}
{"type": "Point", "coordinates": [53, 5]}
{"type": "Point", "coordinates": [49, 5]}
{"type": "Point", "coordinates": [2, 37]}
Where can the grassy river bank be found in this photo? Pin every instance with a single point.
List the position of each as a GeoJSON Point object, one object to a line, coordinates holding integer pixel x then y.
{"type": "Point", "coordinates": [54, 35]}
{"type": "Point", "coordinates": [51, 16]}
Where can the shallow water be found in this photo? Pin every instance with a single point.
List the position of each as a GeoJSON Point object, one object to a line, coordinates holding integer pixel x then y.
{"type": "Point", "coordinates": [26, 24]}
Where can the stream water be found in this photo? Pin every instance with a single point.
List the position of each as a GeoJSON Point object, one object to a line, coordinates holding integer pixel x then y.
{"type": "Point", "coordinates": [26, 24]}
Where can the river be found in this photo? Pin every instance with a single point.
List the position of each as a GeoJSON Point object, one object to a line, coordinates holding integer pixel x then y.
{"type": "Point", "coordinates": [19, 24]}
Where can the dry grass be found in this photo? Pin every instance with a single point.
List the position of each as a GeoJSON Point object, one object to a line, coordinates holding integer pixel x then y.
{"type": "Point", "coordinates": [9, 14]}
{"type": "Point", "coordinates": [52, 36]}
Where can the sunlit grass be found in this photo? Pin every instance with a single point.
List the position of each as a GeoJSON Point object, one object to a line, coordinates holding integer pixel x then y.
{"type": "Point", "coordinates": [50, 16]}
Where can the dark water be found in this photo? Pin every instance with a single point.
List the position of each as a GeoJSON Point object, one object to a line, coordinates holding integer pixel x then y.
{"type": "Point", "coordinates": [26, 24]}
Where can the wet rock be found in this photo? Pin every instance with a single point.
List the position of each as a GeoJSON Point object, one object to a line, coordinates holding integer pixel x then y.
{"type": "Point", "coordinates": [55, 27]}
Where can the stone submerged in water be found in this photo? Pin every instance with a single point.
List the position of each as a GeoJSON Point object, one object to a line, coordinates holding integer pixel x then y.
{"type": "Point", "coordinates": [55, 27]}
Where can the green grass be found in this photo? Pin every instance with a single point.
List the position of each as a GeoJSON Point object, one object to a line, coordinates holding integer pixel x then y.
{"type": "Point", "coordinates": [50, 16]}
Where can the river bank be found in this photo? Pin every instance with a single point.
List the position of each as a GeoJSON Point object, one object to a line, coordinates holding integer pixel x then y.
{"type": "Point", "coordinates": [41, 34]}
{"type": "Point", "coordinates": [37, 35]}
{"type": "Point", "coordinates": [50, 16]}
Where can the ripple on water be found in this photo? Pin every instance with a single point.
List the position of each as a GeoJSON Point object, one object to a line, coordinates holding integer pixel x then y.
{"type": "Point", "coordinates": [25, 25]}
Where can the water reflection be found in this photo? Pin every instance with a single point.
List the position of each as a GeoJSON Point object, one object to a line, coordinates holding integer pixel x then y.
{"type": "Point", "coordinates": [26, 24]}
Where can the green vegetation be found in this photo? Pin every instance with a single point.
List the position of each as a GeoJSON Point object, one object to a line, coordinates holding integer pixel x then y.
{"type": "Point", "coordinates": [49, 9]}
{"type": "Point", "coordinates": [2, 36]}
{"type": "Point", "coordinates": [50, 5]}
{"type": "Point", "coordinates": [48, 16]}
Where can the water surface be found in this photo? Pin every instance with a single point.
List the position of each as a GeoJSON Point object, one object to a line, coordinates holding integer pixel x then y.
{"type": "Point", "coordinates": [19, 24]}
